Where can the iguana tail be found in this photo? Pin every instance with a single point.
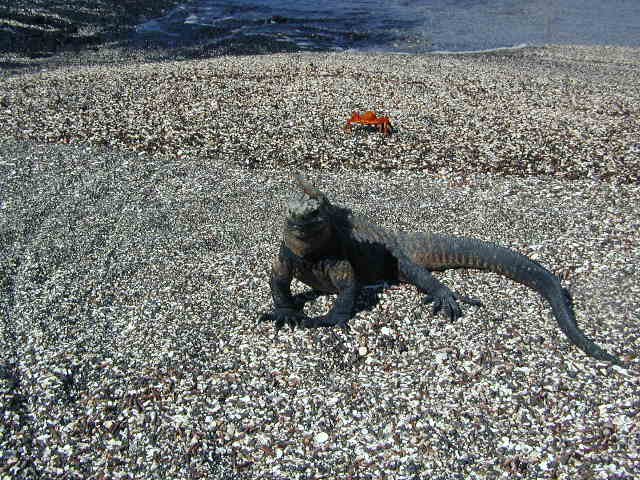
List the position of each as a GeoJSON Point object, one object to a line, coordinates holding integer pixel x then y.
{"type": "Point", "coordinates": [445, 252]}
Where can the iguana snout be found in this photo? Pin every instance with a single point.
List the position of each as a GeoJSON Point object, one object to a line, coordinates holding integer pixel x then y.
{"type": "Point", "coordinates": [305, 217]}
{"type": "Point", "coordinates": [307, 227]}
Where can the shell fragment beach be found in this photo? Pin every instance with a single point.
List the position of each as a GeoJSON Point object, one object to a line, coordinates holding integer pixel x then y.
{"type": "Point", "coordinates": [134, 259]}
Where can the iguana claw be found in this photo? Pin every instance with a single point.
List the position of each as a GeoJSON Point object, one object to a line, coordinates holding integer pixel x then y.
{"type": "Point", "coordinates": [447, 301]}
{"type": "Point", "coordinates": [327, 321]}
{"type": "Point", "coordinates": [287, 316]}
{"type": "Point", "coordinates": [295, 318]}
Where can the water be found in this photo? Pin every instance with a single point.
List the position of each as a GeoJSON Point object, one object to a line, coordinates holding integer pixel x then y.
{"type": "Point", "coordinates": [411, 26]}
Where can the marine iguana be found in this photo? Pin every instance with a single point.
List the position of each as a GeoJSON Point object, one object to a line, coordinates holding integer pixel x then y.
{"type": "Point", "coordinates": [332, 250]}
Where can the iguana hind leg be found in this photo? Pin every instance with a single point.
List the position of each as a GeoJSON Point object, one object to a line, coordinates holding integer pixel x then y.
{"type": "Point", "coordinates": [443, 298]}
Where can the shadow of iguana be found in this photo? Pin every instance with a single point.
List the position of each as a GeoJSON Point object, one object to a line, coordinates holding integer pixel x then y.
{"type": "Point", "coordinates": [332, 250]}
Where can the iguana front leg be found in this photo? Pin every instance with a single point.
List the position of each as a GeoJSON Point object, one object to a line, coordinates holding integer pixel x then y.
{"type": "Point", "coordinates": [286, 310]}
{"type": "Point", "coordinates": [343, 278]}
{"type": "Point", "coordinates": [443, 297]}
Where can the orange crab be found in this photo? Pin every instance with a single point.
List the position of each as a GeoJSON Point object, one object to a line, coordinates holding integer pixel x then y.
{"type": "Point", "coordinates": [369, 118]}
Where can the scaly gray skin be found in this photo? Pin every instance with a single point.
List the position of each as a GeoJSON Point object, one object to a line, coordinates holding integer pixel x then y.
{"type": "Point", "coordinates": [334, 251]}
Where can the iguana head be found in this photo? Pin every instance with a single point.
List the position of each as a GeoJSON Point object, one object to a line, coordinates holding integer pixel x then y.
{"type": "Point", "coordinates": [307, 226]}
